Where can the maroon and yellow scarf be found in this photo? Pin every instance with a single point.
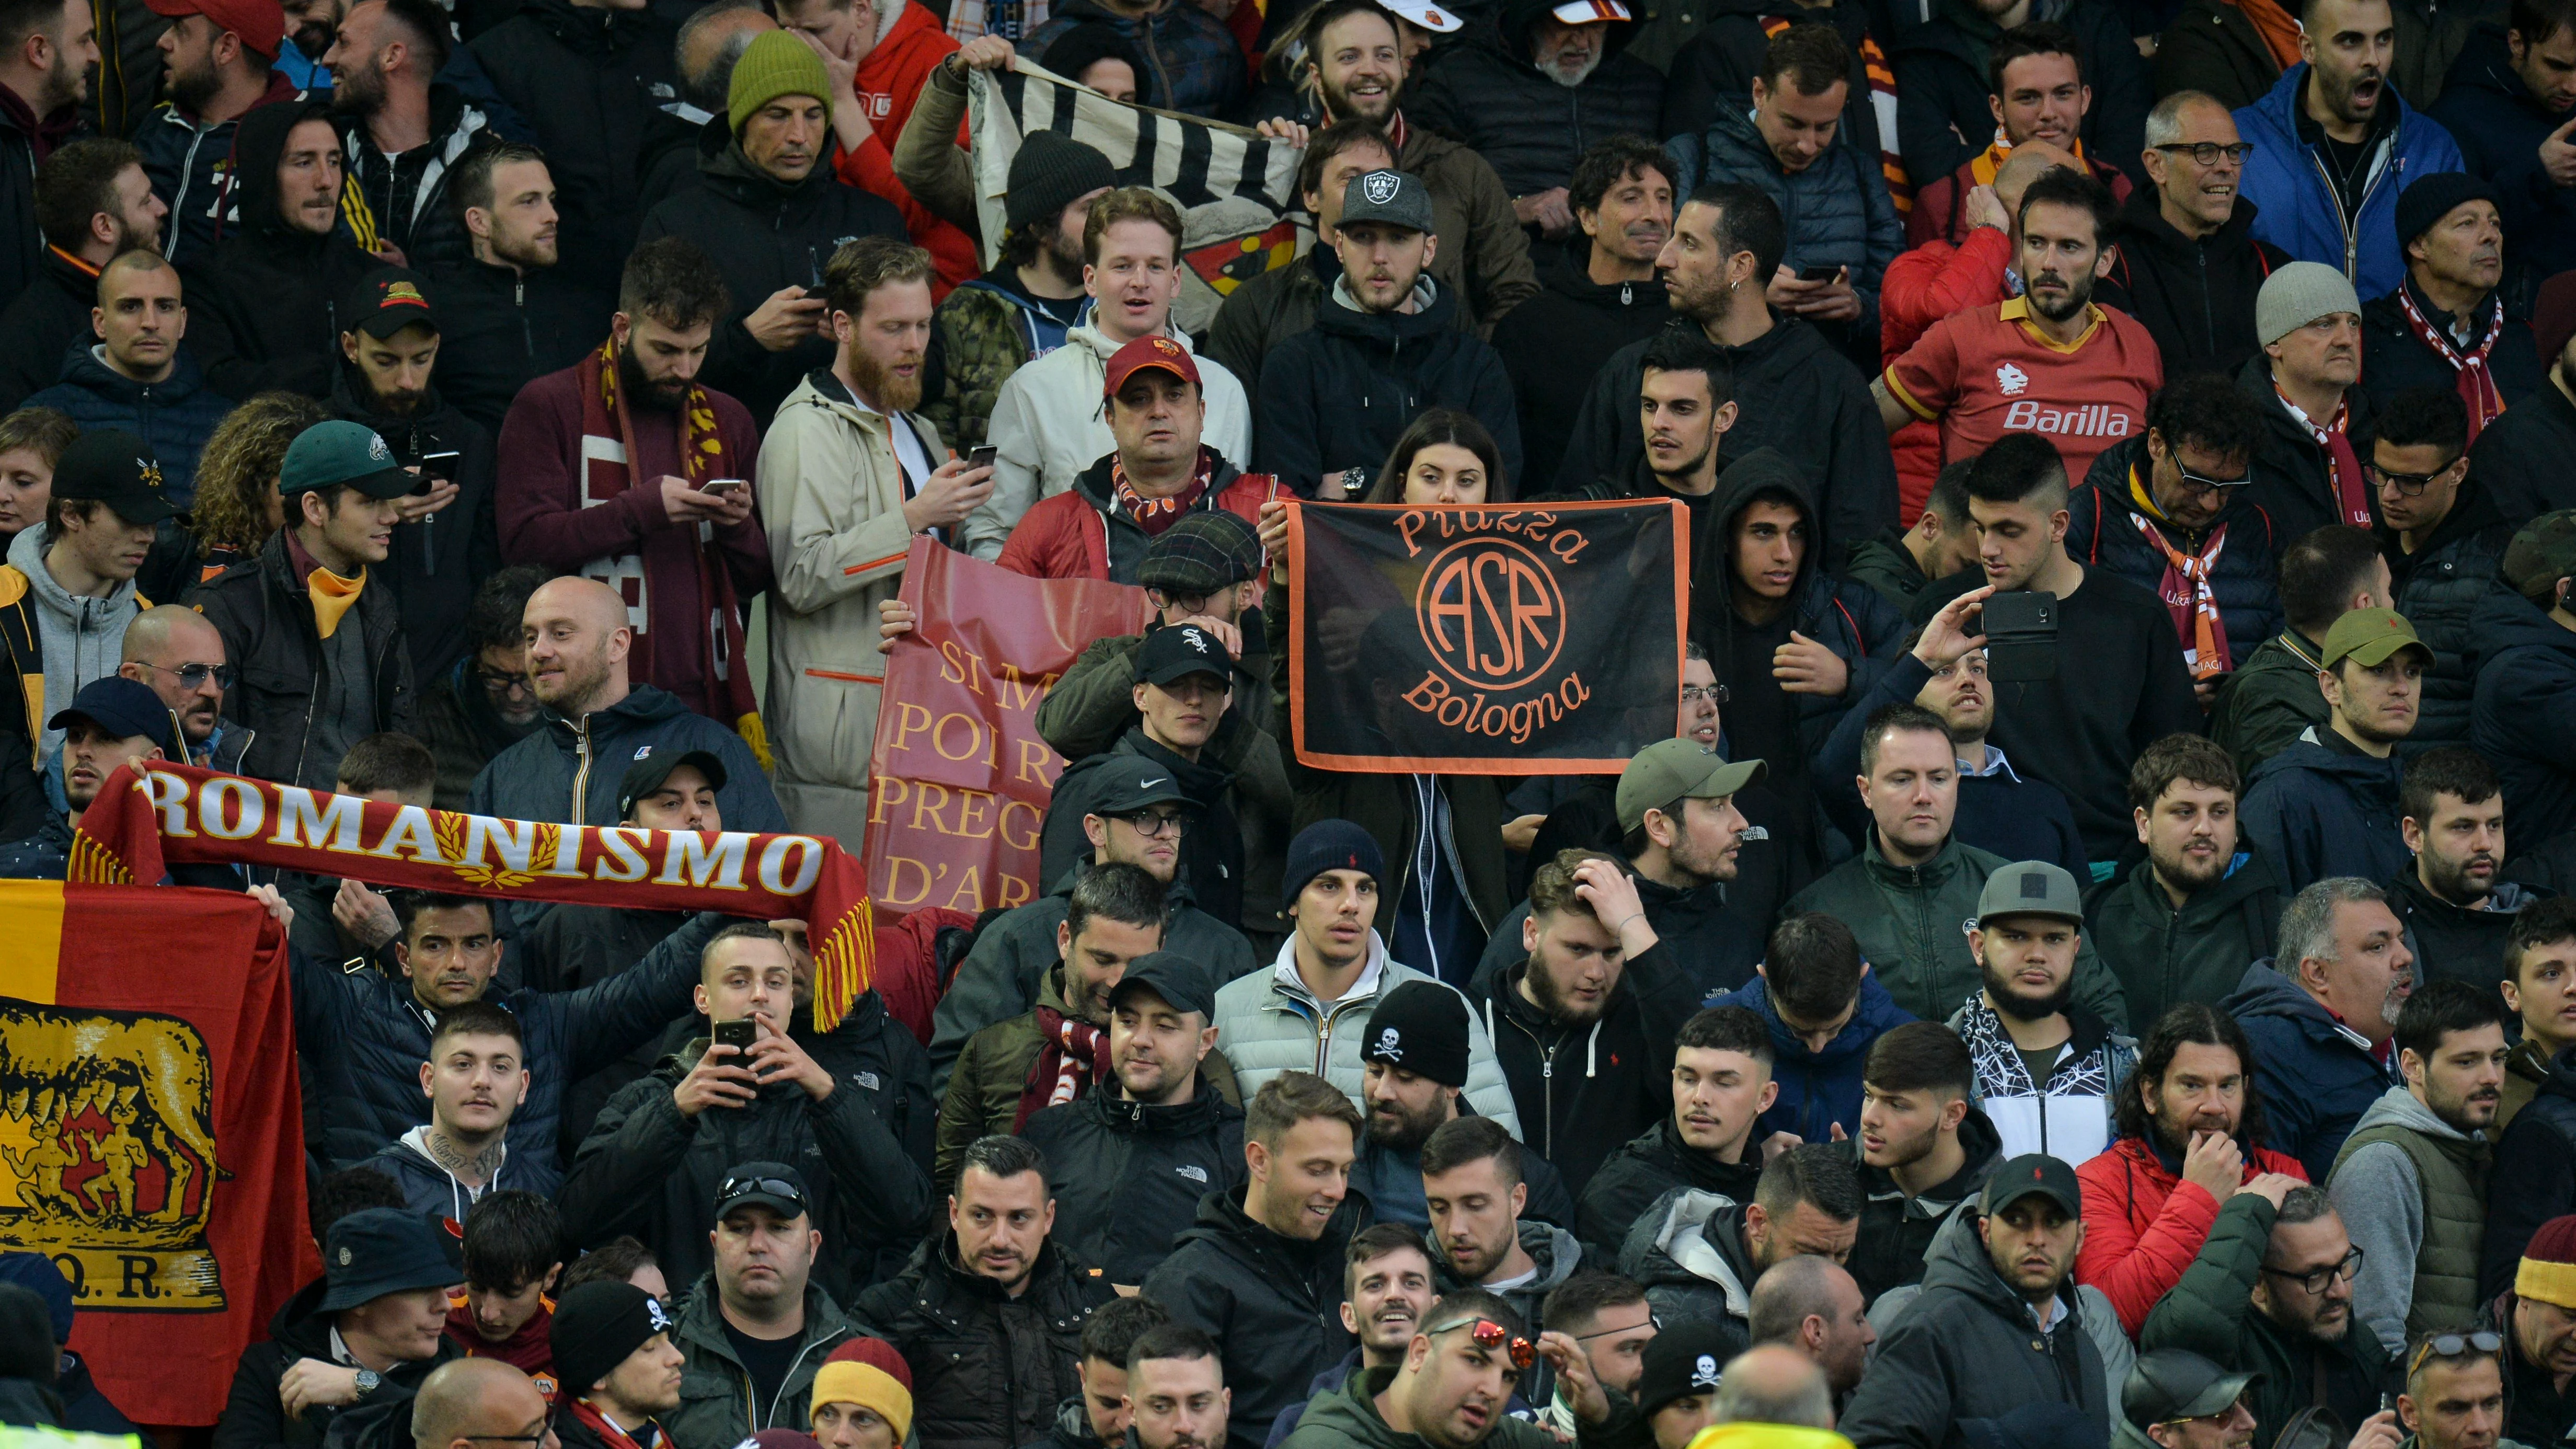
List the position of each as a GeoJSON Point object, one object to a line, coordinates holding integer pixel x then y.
{"type": "Point", "coordinates": [2476, 381]}
{"type": "Point", "coordinates": [1072, 1054]}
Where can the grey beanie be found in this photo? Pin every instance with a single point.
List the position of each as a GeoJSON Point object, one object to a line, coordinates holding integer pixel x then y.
{"type": "Point", "coordinates": [2298, 294]}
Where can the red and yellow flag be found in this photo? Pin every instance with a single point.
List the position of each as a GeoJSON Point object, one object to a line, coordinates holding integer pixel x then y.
{"type": "Point", "coordinates": [151, 1136]}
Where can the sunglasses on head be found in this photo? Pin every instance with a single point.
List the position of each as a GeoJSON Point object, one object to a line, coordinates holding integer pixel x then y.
{"type": "Point", "coordinates": [2455, 1345]}
{"type": "Point", "coordinates": [1490, 1336]}
{"type": "Point", "coordinates": [739, 1187]}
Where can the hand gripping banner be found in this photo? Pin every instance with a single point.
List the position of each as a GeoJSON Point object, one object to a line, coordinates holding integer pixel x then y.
{"type": "Point", "coordinates": [1516, 639]}
{"type": "Point", "coordinates": [143, 823]}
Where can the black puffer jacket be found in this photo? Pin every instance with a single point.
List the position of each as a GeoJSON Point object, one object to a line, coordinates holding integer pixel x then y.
{"type": "Point", "coordinates": [1269, 1301]}
{"type": "Point", "coordinates": [864, 1150]}
{"type": "Point", "coordinates": [1553, 344]}
{"type": "Point", "coordinates": [262, 610]}
{"type": "Point", "coordinates": [1127, 1176]}
{"type": "Point", "coordinates": [2397, 360]}
{"type": "Point", "coordinates": [1941, 72]}
{"type": "Point", "coordinates": [2293, 478]}
{"type": "Point", "coordinates": [587, 77]}
{"type": "Point", "coordinates": [764, 235]}
{"type": "Point", "coordinates": [2524, 716]}
{"type": "Point", "coordinates": [1896, 1231]}
{"type": "Point", "coordinates": [501, 330]}
{"type": "Point", "coordinates": [1793, 392]}
{"type": "Point", "coordinates": [1646, 1168]}
{"type": "Point", "coordinates": [2100, 530]}
{"type": "Point", "coordinates": [1969, 1348]}
{"type": "Point", "coordinates": [253, 1418]}
{"type": "Point", "coordinates": [2196, 297]}
{"type": "Point", "coordinates": [439, 561]}
{"type": "Point", "coordinates": [1339, 394]}
{"type": "Point", "coordinates": [1485, 91]}
{"type": "Point", "coordinates": [2439, 588]}
{"type": "Point", "coordinates": [265, 305]}
{"type": "Point", "coordinates": [49, 318]}
{"type": "Point", "coordinates": [988, 1369]}
{"type": "Point", "coordinates": [364, 1038]}
{"type": "Point", "coordinates": [2534, 1177]}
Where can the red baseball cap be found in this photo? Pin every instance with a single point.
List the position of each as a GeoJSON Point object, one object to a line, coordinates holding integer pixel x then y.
{"type": "Point", "coordinates": [1150, 352]}
{"type": "Point", "coordinates": [261, 24]}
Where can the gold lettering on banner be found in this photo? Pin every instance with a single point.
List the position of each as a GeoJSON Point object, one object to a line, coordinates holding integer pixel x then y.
{"type": "Point", "coordinates": [107, 1153]}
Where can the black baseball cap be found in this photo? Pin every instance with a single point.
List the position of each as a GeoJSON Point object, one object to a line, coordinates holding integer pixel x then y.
{"type": "Point", "coordinates": [124, 708]}
{"type": "Point", "coordinates": [1123, 784]}
{"type": "Point", "coordinates": [773, 1185]}
{"type": "Point", "coordinates": [388, 300]}
{"type": "Point", "coordinates": [2175, 1383]}
{"type": "Point", "coordinates": [647, 774]}
{"type": "Point", "coordinates": [1181, 650]}
{"type": "Point", "coordinates": [1181, 982]}
{"type": "Point", "coordinates": [376, 1251]}
{"type": "Point", "coordinates": [114, 467]}
{"type": "Point", "coordinates": [2032, 1172]}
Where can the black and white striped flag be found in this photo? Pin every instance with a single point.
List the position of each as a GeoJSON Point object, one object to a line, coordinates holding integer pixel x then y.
{"type": "Point", "coordinates": [1234, 188]}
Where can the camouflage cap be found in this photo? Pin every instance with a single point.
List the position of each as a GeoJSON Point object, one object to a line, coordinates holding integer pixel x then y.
{"type": "Point", "coordinates": [2540, 555]}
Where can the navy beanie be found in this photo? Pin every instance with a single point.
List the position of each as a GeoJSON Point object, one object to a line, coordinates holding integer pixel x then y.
{"type": "Point", "coordinates": [1330, 845]}
{"type": "Point", "coordinates": [37, 1273]}
{"type": "Point", "coordinates": [2432, 197]}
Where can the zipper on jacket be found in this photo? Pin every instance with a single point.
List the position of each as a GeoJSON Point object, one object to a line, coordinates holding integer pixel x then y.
{"type": "Point", "coordinates": [581, 769]}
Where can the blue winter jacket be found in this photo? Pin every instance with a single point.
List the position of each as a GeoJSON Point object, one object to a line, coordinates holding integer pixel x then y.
{"type": "Point", "coordinates": [2315, 812]}
{"type": "Point", "coordinates": [2317, 1076]}
{"type": "Point", "coordinates": [2524, 715]}
{"type": "Point", "coordinates": [1836, 212]}
{"type": "Point", "coordinates": [173, 417]}
{"type": "Point", "coordinates": [1819, 1089]}
{"type": "Point", "coordinates": [2297, 210]}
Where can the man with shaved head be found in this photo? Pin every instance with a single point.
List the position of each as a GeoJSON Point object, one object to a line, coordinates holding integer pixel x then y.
{"type": "Point", "coordinates": [579, 645]}
{"type": "Point", "coordinates": [468, 1402]}
{"type": "Point", "coordinates": [178, 655]}
{"type": "Point", "coordinates": [1809, 1304]}
{"type": "Point", "coordinates": [1774, 1384]}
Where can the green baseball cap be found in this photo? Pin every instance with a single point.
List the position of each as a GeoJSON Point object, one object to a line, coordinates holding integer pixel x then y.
{"type": "Point", "coordinates": [2370, 636]}
{"type": "Point", "coordinates": [343, 454]}
{"type": "Point", "coordinates": [2541, 554]}
{"type": "Point", "coordinates": [1675, 769]}
{"type": "Point", "coordinates": [2030, 888]}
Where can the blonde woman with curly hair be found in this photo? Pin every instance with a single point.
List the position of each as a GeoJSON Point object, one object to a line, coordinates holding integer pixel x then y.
{"type": "Point", "coordinates": [237, 503]}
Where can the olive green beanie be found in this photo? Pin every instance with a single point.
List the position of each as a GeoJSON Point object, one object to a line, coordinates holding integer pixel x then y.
{"type": "Point", "coordinates": [775, 64]}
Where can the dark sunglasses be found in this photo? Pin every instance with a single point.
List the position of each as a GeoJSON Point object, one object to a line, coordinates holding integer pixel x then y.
{"type": "Point", "coordinates": [741, 1187]}
{"type": "Point", "coordinates": [1490, 1336]}
{"type": "Point", "coordinates": [2454, 1345]}
{"type": "Point", "coordinates": [2202, 484]}
{"type": "Point", "coordinates": [194, 676]}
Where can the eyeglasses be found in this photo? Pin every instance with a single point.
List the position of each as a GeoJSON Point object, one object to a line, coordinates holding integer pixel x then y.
{"type": "Point", "coordinates": [1150, 823]}
{"type": "Point", "coordinates": [1490, 1336]}
{"type": "Point", "coordinates": [777, 1187]}
{"type": "Point", "coordinates": [2229, 1412]}
{"type": "Point", "coordinates": [2407, 484]}
{"type": "Point", "coordinates": [539, 1437]}
{"type": "Point", "coordinates": [1704, 694]}
{"type": "Point", "coordinates": [194, 676]}
{"type": "Point", "coordinates": [2315, 1281]}
{"type": "Point", "coordinates": [2208, 152]}
{"type": "Point", "coordinates": [2202, 484]}
{"type": "Point", "coordinates": [2455, 1345]}
{"type": "Point", "coordinates": [498, 684]}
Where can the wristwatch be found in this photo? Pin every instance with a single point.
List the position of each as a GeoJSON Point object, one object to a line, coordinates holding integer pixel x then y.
{"type": "Point", "coordinates": [367, 1380]}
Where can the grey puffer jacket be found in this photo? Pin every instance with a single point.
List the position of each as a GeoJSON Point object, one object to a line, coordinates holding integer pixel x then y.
{"type": "Point", "coordinates": [1836, 212]}
{"type": "Point", "coordinates": [1967, 1346]}
{"type": "Point", "coordinates": [1268, 1023]}
{"type": "Point", "coordinates": [1687, 1251]}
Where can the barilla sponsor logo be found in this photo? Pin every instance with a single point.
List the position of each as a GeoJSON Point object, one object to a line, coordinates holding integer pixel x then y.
{"type": "Point", "coordinates": [2093, 420]}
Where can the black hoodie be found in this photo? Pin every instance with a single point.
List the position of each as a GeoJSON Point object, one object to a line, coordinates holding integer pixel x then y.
{"type": "Point", "coordinates": [438, 561]}
{"type": "Point", "coordinates": [1338, 395]}
{"type": "Point", "coordinates": [765, 234]}
{"type": "Point", "coordinates": [266, 304]}
{"type": "Point", "coordinates": [1553, 344]}
{"type": "Point", "coordinates": [2195, 297]}
{"type": "Point", "coordinates": [1273, 1303]}
{"type": "Point", "coordinates": [1793, 392]}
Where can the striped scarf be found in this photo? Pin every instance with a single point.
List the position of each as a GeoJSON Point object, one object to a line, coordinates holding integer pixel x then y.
{"type": "Point", "coordinates": [1072, 1054]}
{"type": "Point", "coordinates": [2185, 588]}
{"type": "Point", "coordinates": [2476, 381]}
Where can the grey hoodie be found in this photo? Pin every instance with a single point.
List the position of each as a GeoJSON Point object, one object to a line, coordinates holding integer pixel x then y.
{"type": "Point", "coordinates": [2381, 1200]}
{"type": "Point", "coordinates": [1554, 1254]}
{"type": "Point", "coordinates": [82, 638]}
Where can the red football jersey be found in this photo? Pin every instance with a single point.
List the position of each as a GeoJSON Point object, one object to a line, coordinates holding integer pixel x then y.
{"type": "Point", "coordinates": [1988, 371]}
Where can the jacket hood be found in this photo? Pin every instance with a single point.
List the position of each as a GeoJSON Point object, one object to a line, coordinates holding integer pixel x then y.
{"type": "Point", "coordinates": [1957, 1261]}
{"type": "Point", "coordinates": [2308, 753]}
{"type": "Point", "coordinates": [88, 369]}
{"type": "Point", "coordinates": [1760, 474]}
{"type": "Point", "coordinates": [1567, 271]}
{"type": "Point", "coordinates": [1339, 315]}
{"type": "Point", "coordinates": [2397, 1107]}
{"type": "Point", "coordinates": [258, 141]}
{"type": "Point", "coordinates": [27, 555]}
{"type": "Point", "coordinates": [1701, 1235]}
{"type": "Point", "coordinates": [2505, 620]}
{"type": "Point", "coordinates": [300, 1324]}
{"type": "Point", "coordinates": [1872, 1015]}
{"type": "Point", "coordinates": [2248, 874]}
{"type": "Point", "coordinates": [2141, 222]}
{"type": "Point", "coordinates": [1554, 1252]}
{"type": "Point", "coordinates": [2473, 509]}
{"type": "Point", "coordinates": [1981, 1147]}
{"type": "Point", "coordinates": [2265, 991]}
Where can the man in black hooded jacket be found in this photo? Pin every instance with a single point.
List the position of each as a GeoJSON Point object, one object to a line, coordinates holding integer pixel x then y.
{"type": "Point", "coordinates": [770, 212]}
{"type": "Point", "coordinates": [2188, 264]}
{"type": "Point", "coordinates": [1384, 348]}
{"type": "Point", "coordinates": [267, 301]}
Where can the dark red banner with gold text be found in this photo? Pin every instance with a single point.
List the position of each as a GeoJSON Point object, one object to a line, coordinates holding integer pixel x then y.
{"type": "Point", "coordinates": [151, 1141]}
{"type": "Point", "coordinates": [960, 777]}
{"type": "Point", "coordinates": [1517, 639]}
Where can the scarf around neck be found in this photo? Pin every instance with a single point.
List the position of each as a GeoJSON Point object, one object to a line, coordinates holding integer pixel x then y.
{"type": "Point", "coordinates": [1072, 1054]}
{"type": "Point", "coordinates": [2185, 587]}
{"type": "Point", "coordinates": [2343, 466]}
{"type": "Point", "coordinates": [2475, 380]}
{"type": "Point", "coordinates": [1156, 514]}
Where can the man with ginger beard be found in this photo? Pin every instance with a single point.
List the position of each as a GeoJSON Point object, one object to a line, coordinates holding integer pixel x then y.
{"type": "Point", "coordinates": [848, 474]}
{"type": "Point", "coordinates": [2459, 911]}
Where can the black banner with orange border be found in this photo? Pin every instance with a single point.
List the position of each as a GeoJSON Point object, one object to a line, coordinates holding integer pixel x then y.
{"type": "Point", "coordinates": [1506, 639]}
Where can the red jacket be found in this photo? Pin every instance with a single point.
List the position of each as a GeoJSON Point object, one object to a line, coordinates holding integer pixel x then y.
{"type": "Point", "coordinates": [1073, 535]}
{"type": "Point", "coordinates": [1921, 287]}
{"type": "Point", "coordinates": [907, 965]}
{"type": "Point", "coordinates": [888, 82]}
{"type": "Point", "coordinates": [2144, 1225]}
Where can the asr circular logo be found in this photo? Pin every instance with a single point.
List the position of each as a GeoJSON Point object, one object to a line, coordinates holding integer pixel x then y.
{"type": "Point", "coordinates": [1490, 613]}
